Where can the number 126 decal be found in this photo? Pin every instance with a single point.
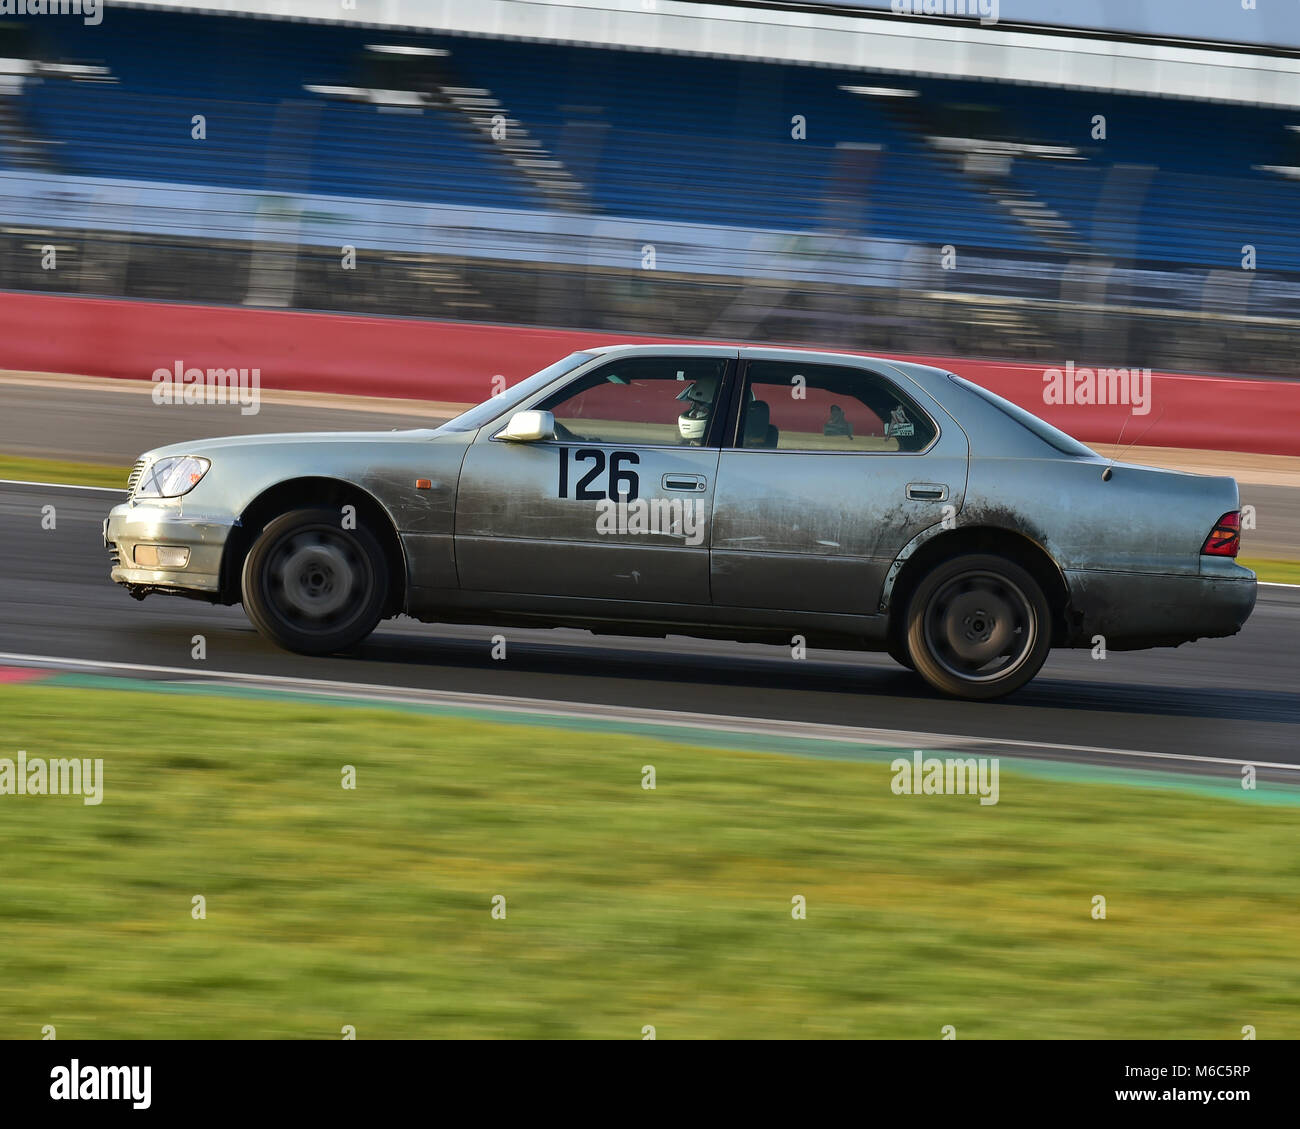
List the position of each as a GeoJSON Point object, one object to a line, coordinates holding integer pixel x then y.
{"type": "Point", "coordinates": [621, 485]}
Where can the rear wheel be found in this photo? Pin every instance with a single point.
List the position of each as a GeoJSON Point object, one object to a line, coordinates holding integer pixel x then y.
{"type": "Point", "coordinates": [313, 586]}
{"type": "Point", "coordinates": [978, 627]}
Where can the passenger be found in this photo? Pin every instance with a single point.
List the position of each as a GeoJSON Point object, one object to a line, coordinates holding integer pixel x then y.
{"type": "Point", "coordinates": [838, 424]}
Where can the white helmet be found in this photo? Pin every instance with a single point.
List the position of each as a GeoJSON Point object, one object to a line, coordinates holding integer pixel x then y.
{"type": "Point", "coordinates": [694, 421]}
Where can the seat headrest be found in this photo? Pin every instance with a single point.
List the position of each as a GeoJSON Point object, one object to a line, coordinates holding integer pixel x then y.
{"type": "Point", "coordinates": [758, 417]}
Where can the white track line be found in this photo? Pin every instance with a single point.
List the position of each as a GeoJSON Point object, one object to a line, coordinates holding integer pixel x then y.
{"type": "Point", "coordinates": [894, 738]}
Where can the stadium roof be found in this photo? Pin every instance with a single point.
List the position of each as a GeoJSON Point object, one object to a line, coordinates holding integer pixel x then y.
{"type": "Point", "coordinates": [867, 41]}
{"type": "Point", "coordinates": [1259, 23]}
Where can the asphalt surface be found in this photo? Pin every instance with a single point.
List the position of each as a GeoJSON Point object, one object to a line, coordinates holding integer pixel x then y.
{"type": "Point", "coordinates": [1232, 698]}
{"type": "Point", "coordinates": [1276, 535]}
{"type": "Point", "coordinates": [84, 423]}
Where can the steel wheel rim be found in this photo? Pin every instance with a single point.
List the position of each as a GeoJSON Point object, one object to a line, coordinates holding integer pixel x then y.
{"type": "Point", "coordinates": [316, 579]}
{"type": "Point", "coordinates": [980, 626]}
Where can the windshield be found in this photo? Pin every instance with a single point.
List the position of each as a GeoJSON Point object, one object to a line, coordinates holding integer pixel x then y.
{"type": "Point", "coordinates": [1053, 436]}
{"type": "Point", "coordinates": [482, 413]}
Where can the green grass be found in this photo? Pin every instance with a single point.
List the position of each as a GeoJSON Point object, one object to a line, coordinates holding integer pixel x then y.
{"type": "Point", "coordinates": [56, 470]}
{"type": "Point", "coordinates": [625, 907]}
{"type": "Point", "coordinates": [1276, 572]}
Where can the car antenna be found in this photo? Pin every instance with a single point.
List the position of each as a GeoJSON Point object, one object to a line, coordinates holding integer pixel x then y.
{"type": "Point", "coordinates": [1110, 465]}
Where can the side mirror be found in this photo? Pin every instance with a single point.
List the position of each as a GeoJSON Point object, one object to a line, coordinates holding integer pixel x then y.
{"type": "Point", "coordinates": [528, 427]}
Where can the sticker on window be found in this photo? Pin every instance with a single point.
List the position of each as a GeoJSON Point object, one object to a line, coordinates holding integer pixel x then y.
{"type": "Point", "coordinates": [899, 425]}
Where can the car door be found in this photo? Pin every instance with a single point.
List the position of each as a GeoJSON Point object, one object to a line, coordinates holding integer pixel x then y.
{"type": "Point", "coordinates": [617, 505]}
{"type": "Point", "coordinates": [832, 469]}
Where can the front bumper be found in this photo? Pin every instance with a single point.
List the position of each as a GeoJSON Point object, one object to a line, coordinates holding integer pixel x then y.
{"type": "Point", "coordinates": [162, 523]}
{"type": "Point", "coordinates": [1137, 610]}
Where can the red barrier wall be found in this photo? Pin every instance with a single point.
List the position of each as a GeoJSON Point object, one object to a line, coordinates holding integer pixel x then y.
{"type": "Point", "coordinates": [456, 362]}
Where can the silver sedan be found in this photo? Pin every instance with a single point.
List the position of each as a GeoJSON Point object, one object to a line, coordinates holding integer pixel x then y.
{"type": "Point", "coordinates": [772, 495]}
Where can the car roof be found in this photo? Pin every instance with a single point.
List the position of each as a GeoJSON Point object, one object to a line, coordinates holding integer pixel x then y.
{"type": "Point", "coordinates": [749, 352]}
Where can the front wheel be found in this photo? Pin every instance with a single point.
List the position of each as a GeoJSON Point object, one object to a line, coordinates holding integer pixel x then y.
{"type": "Point", "coordinates": [978, 627]}
{"type": "Point", "coordinates": [898, 652]}
{"type": "Point", "coordinates": [313, 586]}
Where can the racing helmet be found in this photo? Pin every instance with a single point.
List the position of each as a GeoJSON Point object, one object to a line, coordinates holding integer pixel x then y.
{"type": "Point", "coordinates": [699, 396]}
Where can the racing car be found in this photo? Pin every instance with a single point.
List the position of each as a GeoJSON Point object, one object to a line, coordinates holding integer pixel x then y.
{"type": "Point", "coordinates": [752, 494]}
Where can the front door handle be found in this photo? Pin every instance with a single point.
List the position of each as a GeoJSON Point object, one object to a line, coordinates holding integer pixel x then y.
{"type": "Point", "coordinates": [692, 482]}
{"type": "Point", "coordinates": [927, 491]}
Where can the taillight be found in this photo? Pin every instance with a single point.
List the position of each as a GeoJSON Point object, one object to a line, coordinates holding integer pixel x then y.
{"type": "Point", "coordinates": [1225, 538]}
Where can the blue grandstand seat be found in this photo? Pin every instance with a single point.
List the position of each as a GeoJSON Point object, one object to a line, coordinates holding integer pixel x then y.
{"type": "Point", "coordinates": [683, 139]}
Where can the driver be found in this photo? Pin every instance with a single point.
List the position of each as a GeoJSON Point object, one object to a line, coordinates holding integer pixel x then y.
{"type": "Point", "coordinates": [699, 396]}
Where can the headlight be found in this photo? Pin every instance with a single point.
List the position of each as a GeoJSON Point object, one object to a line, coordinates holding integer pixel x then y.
{"type": "Point", "coordinates": [172, 476]}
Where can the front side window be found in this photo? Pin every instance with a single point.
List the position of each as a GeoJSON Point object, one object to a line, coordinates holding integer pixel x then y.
{"type": "Point", "coordinates": [640, 401]}
{"type": "Point", "coordinates": [795, 407]}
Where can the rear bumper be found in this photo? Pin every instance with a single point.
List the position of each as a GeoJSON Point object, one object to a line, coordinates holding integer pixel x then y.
{"type": "Point", "coordinates": [1136, 610]}
{"type": "Point", "coordinates": [132, 524]}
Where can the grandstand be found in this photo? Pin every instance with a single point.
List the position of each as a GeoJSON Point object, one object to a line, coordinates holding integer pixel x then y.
{"type": "Point", "coordinates": [562, 156]}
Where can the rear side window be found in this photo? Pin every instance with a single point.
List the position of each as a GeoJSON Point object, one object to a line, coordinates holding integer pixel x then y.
{"type": "Point", "coordinates": [1052, 436]}
{"type": "Point", "coordinates": [796, 407]}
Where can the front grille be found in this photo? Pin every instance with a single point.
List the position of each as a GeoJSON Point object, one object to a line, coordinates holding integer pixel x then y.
{"type": "Point", "coordinates": [114, 554]}
{"type": "Point", "coordinates": [134, 476]}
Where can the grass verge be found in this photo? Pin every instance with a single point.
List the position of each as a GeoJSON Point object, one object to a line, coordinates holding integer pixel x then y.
{"type": "Point", "coordinates": [56, 470]}
{"type": "Point", "coordinates": [624, 907]}
{"type": "Point", "coordinates": [1275, 572]}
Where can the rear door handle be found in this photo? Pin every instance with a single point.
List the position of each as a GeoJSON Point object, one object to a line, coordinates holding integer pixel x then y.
{"type": "Point", "coordinates": [692, 482]}
{"type": "Point", "coordinates": [927, 491]}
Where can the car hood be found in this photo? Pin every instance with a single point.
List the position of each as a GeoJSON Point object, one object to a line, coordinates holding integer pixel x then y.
{"type": "Point", "coordinates": [297, 439]}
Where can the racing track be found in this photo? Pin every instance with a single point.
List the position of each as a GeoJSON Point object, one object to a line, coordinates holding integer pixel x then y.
{"type": "Point", "coordinates": [1231, 698]}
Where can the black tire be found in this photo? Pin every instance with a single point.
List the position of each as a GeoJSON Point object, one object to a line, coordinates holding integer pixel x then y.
{"type": "Point", "coordinates": [312, 586]}
{"type": "Point", "coordinates": [978, 627]}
